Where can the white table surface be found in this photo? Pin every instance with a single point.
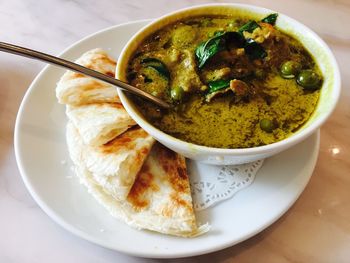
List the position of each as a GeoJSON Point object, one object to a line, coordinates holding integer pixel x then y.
{"type": "Point", "coordinates": [28, 235]}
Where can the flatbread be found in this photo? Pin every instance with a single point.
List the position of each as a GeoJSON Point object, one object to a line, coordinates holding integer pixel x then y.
{"type": "Point", "coordinates": [114, 165]}
{"type": "Point", "coordinates": [99, 123]}
{"type": "Point", "coordinates": [160, 199]}
{"type": "Point", "coordinates": [77, 89]}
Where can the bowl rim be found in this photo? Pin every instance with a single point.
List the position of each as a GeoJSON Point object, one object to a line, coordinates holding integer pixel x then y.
{"type": "Point", "coordinates": [180, 144]}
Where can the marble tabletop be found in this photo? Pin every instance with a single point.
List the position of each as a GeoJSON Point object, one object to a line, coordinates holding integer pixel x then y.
{"type": "Point", "coordinates": [315, 229]}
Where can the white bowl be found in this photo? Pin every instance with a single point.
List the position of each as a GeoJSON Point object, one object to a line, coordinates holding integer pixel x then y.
{"type": "Point", "coordinates": [217, 156]}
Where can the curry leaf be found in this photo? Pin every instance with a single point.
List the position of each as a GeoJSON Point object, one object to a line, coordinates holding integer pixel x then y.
{"type": "Point", "coordinates": [219, 41]}
{"type": "Point", "coordinates": [161, 69]}
{"type": "Point", "coordinates": [208, 49]}
{"type": "Point", "coordinates": [249, 27]}
{"type": "Point", "coordinates": [236, 38]}
{"type": "Point", "coordinates": [218, 85]}
{"type": "Point", "coordinates": [271, 19]}
{"type": "Point", "coordinates": [151, 61]}
{"type": "Point", "coordinates": [219, 33]}
{"type": "Point", "coordinates": [157, 65]}
{"type": "Point", "coordinates": [254, 50]}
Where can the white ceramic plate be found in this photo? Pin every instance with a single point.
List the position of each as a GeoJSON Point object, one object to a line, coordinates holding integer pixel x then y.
{"type": "Point", "coordinates": [40, 149]}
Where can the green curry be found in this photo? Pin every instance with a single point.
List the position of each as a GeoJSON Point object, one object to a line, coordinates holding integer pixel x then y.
{"type": "Point", "coordinates": [234, 82]}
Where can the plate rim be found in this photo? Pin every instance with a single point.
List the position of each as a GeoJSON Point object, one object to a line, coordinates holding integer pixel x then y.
{"type": "Point", "coordinates": [80, 233]}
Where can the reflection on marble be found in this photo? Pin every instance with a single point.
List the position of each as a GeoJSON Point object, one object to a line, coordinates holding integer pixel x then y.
{"type": "Point", "coordinates": [315, 229]}
{"type": "Point", "coordinates": [335, 151]}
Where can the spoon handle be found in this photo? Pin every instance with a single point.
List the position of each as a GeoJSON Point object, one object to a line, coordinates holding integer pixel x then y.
{"type": "Point", "coordinates": [29, 53]}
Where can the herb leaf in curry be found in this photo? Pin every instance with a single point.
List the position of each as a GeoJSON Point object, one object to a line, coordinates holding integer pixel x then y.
{"type": "Point", "coordinates": [249, 27]}
{"type": "Point", "coordinates": [254, 50]}
{"type": "Point", "coordinates": [219, 42]}
{"type": "Point", "coordinates": [218, 85]}
{"type": "Point", "coordinates": [209, 48]}
{"type": "Point", "coordinates": [156, 65]}
{"type": "Point", "coordinates": [270, 19]}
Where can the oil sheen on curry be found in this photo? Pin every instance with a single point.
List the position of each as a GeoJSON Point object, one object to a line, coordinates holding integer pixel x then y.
{"type": "Point", "coordinates": [234, 82]}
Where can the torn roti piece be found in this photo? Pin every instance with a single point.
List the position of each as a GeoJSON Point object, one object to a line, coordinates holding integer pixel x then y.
{"type": "Point", "coordinates": [99, 123]}
{"type": "Point", "coordinates": [114, 165]}
{"type": "Point", "coordinates": [77, 89]}
{"type": "Point", "coordinates": [160, 199]}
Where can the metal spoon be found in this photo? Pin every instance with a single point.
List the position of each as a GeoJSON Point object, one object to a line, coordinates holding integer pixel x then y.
{"type": "Point", "coordinates": [25, 52]}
